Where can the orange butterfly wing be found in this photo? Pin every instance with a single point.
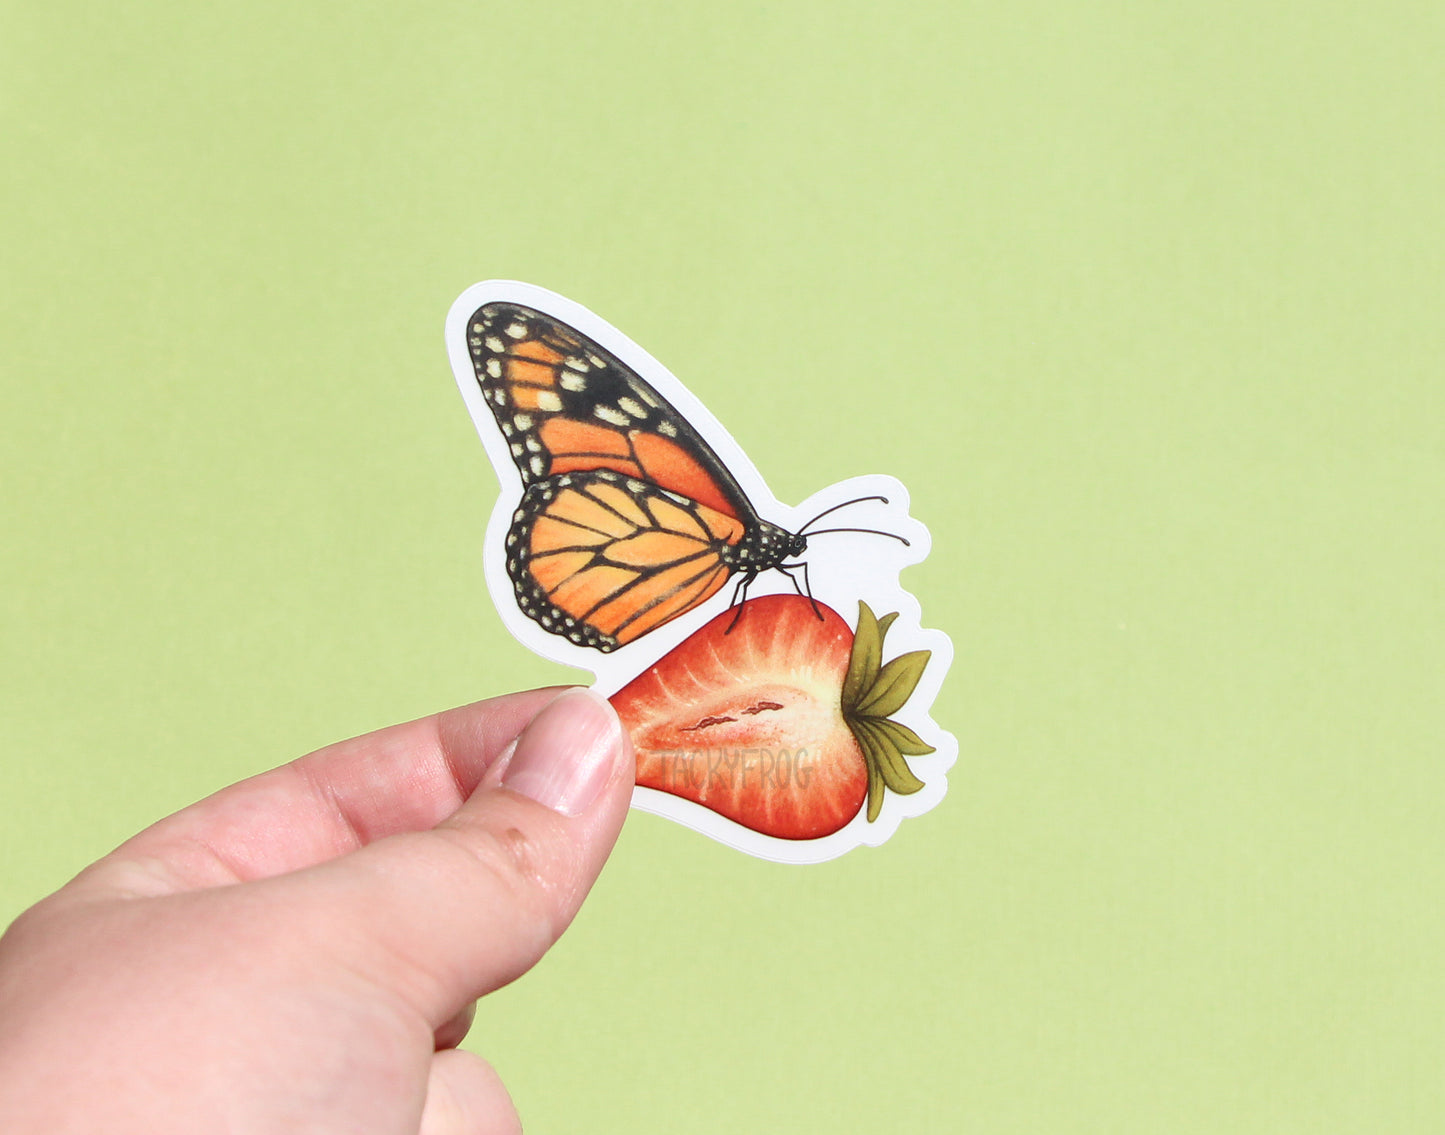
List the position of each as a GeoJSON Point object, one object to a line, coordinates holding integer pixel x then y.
{"type": "Point", "coordinates": [602, 558]}
{"type": "Point", "coordinates": [565, 404]}
{"type": "Point", "coordinates": [627, 518]}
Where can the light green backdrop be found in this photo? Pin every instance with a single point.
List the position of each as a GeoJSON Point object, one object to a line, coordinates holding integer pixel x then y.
{"type": "Point", "coordinates": [1144, 302]}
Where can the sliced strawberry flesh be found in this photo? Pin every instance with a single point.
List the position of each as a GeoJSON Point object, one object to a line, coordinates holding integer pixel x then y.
{"type": "Point", "coordinates": [748, 721]}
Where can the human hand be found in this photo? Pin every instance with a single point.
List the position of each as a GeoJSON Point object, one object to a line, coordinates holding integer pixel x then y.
{"type": "Point", "coordinates": [301, 952]}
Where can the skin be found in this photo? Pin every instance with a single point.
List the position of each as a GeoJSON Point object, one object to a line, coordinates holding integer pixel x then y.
{"type": "Point", "coordinates": [302, 951]}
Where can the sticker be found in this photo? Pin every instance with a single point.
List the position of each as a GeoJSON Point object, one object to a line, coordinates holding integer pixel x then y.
{"type": "Point", "coordinates": [772, 671]}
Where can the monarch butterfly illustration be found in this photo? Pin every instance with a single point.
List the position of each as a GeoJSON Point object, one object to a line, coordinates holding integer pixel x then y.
{"type": "Point", "coordinates": [627, 518]}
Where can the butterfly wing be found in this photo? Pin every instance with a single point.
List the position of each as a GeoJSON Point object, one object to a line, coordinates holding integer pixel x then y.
{"type": "Point", "coordinates": [627, 518]}
{"type": "Point", "coordinates": [565, 404]}
{"type": "Point", "coordinates": [602, 558]}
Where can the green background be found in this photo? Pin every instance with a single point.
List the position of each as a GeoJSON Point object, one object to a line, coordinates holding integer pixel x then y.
{"type": "Point", "coordinates": [1142, 300]}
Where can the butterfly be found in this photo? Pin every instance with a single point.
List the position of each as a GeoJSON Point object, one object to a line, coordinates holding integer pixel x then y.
{"type": "Point", "coordinates": [627, 518]}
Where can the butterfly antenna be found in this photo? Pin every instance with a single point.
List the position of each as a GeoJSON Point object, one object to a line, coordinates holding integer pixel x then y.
{"type": "Point", "coordinates": [871, 531]}
{"type": "Point", "coordinates": [857, 500]}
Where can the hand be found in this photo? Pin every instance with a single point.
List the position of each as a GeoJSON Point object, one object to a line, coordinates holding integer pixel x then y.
{"type": "Point", "coordinates": [301, 952]}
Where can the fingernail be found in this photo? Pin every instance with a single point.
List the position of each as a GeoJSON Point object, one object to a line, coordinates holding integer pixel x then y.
{"type": "Point", "coordinates": [564, 757]}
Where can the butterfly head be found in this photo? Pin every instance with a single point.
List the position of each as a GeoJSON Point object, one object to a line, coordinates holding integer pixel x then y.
{"type": "Point", "coordinates": [764, 546]}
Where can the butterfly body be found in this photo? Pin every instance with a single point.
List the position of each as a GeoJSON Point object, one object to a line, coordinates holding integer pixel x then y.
{"type": "Point", "coordinates": [627, 517]}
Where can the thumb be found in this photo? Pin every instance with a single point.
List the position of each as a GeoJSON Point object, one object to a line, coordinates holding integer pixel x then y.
{"type": "Point", "coordinates": [442, 916]}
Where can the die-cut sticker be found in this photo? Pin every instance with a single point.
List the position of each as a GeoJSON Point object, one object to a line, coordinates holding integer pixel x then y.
{"type": "Point", "coordinates": [770, 668]}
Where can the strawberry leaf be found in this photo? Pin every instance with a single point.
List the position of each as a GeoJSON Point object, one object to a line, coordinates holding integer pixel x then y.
{"type": "Point", "coordinates": [864, 660]}
{"type": "Point", "coordinates": [871, 691]}
{"type": "Point", "coordinates": [893, 684]}
{"type": "Point", "coordinates": [883, 624]}
{"type": "Point", "coordinates": [875, 790]}
{"type": "Point", "coordinates": [897, 775]}
{"type": "Point", "coordinates": [907, 742]}
{"type": "Point", "coordinates": [880, 753]}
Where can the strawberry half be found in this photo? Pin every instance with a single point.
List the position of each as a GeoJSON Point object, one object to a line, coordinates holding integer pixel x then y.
{"type": "Point", "coordinates": [781, 722]}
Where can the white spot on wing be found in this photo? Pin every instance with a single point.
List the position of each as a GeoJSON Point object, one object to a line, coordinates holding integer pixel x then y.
{"type": "Point", "coordinates": [608, 414]}
{"type": "Point", "coordinates": [549, 400]}
{"type": "Point", "coordinates": [572, 381]}
{"type": "Point", "coordinates": [523, 421]}
{"type": "Point", "coordinates": [494, 368]}
{"type": "Point", "coordinates": [517, 330]}
{"type": "Point", "coordinates": [495, 344]}
{"type": "Point", "coordinates": [667, 428]}
{"type": "Point", "coordinates": [632, 407]}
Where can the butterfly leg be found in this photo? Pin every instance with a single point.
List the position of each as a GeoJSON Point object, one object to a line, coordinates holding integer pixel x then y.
{"type": "Point", "coordinates": [793, 579]}
{"type": "Point", "coordinates": [741, 589]}
{"type": "Point", "coordinates": [806, 591]}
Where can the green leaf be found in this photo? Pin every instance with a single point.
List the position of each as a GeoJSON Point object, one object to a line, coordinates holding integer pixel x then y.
{"type": "Point", "coordinates": [863, 661]}
{"type": "Point", "coordinates": [875, 791]}
{"type": "Point", "coordinates": [883, 624]}
{"type": "Point", "coordinates": [893, 685]}
{"type": "Point", "coordinates": [907, 742]}
{"type": "Point", "coordinates": [898, 776]}
{"type": "Point", "coordinates": [881, 754]}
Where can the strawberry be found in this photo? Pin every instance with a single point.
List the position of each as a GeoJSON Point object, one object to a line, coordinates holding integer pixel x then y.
{"type": "Point", "coordinates": [776, 716]}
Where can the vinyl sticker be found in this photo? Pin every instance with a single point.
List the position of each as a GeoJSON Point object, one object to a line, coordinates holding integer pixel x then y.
{"type": "Point", "coordinates": [771, 670]}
